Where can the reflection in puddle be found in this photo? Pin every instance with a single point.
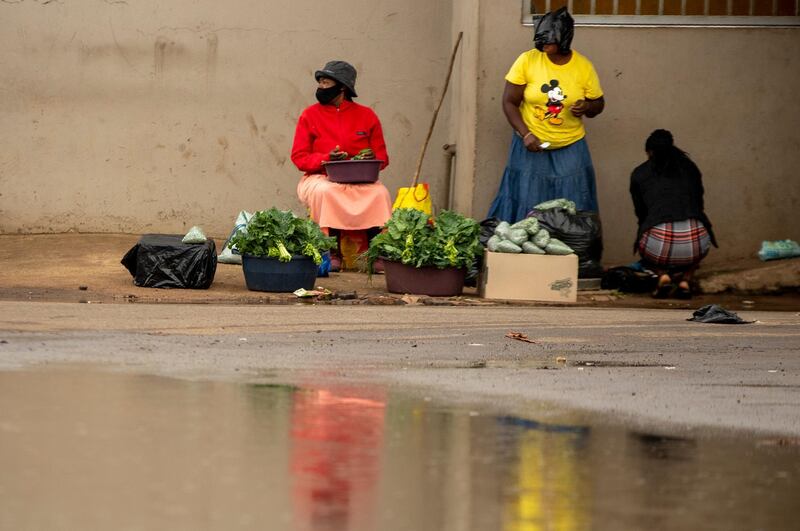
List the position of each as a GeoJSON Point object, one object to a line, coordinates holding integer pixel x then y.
{"type": "Point", "coordinates": [550, 493]}
{"type": "Point", "coordinates": [335, 461]}
{"type": "Point", "coordinates": [94, 450]}
{"type": "Point", "coordinates": [663, 447]}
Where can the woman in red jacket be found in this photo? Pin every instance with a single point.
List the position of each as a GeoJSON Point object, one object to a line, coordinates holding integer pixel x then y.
{"type": "Point", "coordinates": [337, 128]}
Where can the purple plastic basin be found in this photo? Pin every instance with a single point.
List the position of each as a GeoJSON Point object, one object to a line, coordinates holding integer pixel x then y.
{"type": "Point", "coordinates": [403, 278]}
{"type": "Point", "coordinates": [353, 171]}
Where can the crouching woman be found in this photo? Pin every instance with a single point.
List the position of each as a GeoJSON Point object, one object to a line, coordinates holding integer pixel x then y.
{"type": "Point", "coordinates": [674, 232]}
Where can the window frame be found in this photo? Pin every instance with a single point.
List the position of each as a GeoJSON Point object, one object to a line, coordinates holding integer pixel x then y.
{"type": "Point", "coordinates": [684, 21]}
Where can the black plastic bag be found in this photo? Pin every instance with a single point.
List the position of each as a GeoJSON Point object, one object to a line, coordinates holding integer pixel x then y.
{"type": "Point", "coordinates": [629, 280]}
{"type": "Point", "coordinates": [714, 313]}
{"type": "Point", "coordinates": [487, 230]}
{"type": "Point", "coordinates": [555, 27]}
{"type": "Point", "coordinates": [581, 231]}
{"type": "Point", "coordinates": [163, 261]}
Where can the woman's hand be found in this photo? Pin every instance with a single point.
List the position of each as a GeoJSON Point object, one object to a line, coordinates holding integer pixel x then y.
{"type": "Point", "coordinates": [337, 154]}
{"type": "Point", "coordinates": [580, 108]}
{"type": "Point", "coordinates": [532, 143]}
{"type": "Point", "coordinates": [588, 108]}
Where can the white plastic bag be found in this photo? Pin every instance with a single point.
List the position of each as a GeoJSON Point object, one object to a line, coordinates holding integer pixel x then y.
{"type": "Point", "coordinates": [195, 235]}
{"type": "Point", "coordinates": [227, 256]}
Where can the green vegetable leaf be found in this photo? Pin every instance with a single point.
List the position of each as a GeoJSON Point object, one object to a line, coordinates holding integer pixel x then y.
{"type": "Point", "coordinates": [412, 237]}
{"type": "Point", "coordinates": [280, 234]}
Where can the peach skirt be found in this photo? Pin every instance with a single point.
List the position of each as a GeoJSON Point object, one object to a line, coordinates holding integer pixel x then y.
{"type": "Point", "coordinates": [345, 206]}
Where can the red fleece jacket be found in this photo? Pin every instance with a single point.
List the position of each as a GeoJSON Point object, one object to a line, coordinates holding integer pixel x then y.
{"type": "Point", "coordinates": [321, 128]}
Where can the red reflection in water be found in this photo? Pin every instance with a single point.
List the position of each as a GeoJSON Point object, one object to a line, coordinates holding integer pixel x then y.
{"type": "Point", "coordinates": [335, 458]}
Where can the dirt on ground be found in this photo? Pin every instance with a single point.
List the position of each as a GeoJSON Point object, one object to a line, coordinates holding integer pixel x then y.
{"type": "Point", "coordinates": [86, 268]}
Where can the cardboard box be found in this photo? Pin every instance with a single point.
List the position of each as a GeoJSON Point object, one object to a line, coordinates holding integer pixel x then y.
{"type": "Point", "coordinates": [533, 277]}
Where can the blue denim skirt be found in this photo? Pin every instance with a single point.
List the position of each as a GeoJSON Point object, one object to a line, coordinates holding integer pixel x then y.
{"type": "Point", "coordinates": [532, 178]}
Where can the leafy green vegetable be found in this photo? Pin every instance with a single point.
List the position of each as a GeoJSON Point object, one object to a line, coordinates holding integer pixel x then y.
{"type": "Point", "coordinates": [364, 154]}
{"type": "Point", "coordinates": [280, 234]}
{"type": "Point", "coordinates": [414, 238]}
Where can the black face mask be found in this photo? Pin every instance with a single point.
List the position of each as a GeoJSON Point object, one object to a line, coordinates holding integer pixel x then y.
{"type": "Point", "coordinates": [327, 95]}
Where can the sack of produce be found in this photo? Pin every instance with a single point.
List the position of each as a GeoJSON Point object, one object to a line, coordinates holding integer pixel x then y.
{"type": "Point", "coordinates": [556, 246]}
{"type": "Point", "coordinates": [531, 225]}
{"type": "Point", "coordinates": [525, 236]}
{"type": "Point", "coordinates": [541, 238]}
{"type": "Point", "coordinates": [531, 248]}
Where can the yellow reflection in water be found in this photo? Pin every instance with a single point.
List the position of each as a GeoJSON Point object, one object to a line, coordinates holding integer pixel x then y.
{"type": "Point", "coordinates": [551, 493]}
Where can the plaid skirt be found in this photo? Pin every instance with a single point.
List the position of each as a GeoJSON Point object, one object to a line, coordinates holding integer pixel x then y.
{"type": "Point", "coordinates": [679, 244]}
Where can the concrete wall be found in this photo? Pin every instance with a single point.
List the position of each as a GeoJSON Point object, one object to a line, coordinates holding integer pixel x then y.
{"type": "Point", "coordinates": [154, 116]}
{"type": "Point", "coordinates": [464, 103]}
{"type": "Point", "coordinates": [728, 96]}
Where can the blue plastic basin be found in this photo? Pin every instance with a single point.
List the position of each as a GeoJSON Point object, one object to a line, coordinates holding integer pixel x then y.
{"type": "Point", "coordinates": [270, 274]}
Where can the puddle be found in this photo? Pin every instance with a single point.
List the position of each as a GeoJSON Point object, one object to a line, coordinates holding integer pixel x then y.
{"type": "Point", "coordinates": [85, 449]}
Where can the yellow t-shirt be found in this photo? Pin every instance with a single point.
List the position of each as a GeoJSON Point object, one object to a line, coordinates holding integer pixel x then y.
{"type": "Point", "coordinates": [550, 90]}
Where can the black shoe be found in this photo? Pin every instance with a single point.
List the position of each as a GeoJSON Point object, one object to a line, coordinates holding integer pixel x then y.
{"type": "Point", "coordinates": [683, 293]}
{"type": "Point", "coordinates": [664, 291]}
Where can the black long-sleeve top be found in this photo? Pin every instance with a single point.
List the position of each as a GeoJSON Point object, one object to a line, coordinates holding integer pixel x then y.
{"type": "Point", "coordinates": [673, 193]}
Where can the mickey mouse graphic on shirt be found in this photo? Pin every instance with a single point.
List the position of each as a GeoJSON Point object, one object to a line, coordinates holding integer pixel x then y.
{"type": "Point", "coordinates": [555, 99]}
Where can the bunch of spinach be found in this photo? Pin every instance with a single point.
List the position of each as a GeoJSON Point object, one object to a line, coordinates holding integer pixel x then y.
{"type": "Point", "coordinates": [414, 238]}
{"type": "Point", "coordinates": [280, 234]}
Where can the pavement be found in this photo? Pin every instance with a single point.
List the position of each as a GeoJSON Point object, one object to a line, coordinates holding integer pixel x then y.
{"type": "Point", "coordinates": [74, 267]}
{"type": "Point", "coordinates": [625, 356]}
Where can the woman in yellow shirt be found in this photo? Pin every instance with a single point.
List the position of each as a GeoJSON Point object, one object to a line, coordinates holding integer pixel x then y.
{"type": "Point", "coordinates": [548, 92]}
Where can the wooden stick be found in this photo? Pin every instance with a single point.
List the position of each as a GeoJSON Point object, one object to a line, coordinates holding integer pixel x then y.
{"type": "Point", "coordinates": [436, 112]}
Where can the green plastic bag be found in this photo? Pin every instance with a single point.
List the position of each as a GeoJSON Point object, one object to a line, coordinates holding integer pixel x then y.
{"type": "Point", "coordinates": [556, 246]}
{"type": "Point", "coordinates": [566, 204]}
{"type": "Point", "coordinates": [541, 239]}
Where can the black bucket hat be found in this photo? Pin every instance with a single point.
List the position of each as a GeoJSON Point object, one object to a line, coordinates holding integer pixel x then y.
{"type": "Point", "coordinates": [340, 71]}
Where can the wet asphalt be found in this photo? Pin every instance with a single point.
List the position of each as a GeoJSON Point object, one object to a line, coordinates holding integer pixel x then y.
{"type": "Point", "coordinates": [645, 367]}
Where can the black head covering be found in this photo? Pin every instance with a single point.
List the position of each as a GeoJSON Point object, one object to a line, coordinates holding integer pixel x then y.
{"type": "Point", "coordinates": [340, 71]}
{"type": "Point", "coordinates": [555, 27]}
